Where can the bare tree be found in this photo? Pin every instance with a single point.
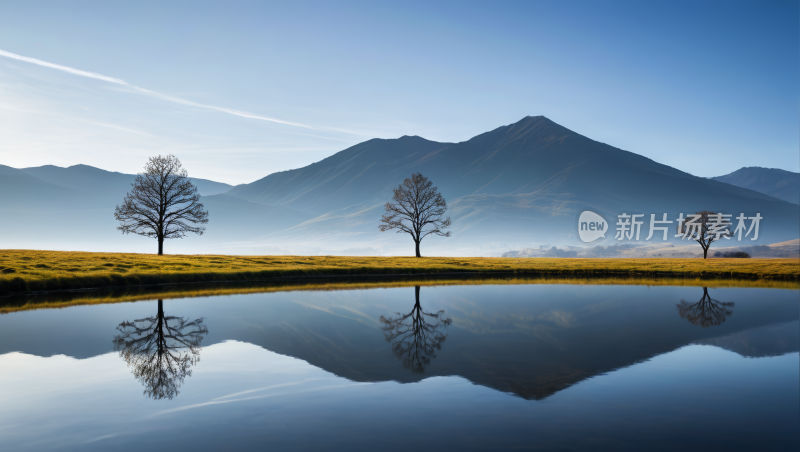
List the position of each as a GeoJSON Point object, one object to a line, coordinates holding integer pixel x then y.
{"type": "Point", "coordinates": [415, 336]}
{"type": "Point", "coordinates": [704, 227]}
{"type": "Point", "coordinates": [161, 350]}
{"type": "Point", "coordinates": [163, 203]}
{"type": "Point", "coordinates": [706, 312]}
{"type": "Point", "coordinates": [417, 209]}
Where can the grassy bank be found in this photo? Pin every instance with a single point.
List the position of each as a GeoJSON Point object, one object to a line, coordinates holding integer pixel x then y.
{"type": "Point", "coordinates": [25, 270]}
{"type": "Point", "coordinates": [59, 300]}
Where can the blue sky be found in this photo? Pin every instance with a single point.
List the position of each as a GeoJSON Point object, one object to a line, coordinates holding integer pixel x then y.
{"type": "Point", "coordinates": [704, 86]}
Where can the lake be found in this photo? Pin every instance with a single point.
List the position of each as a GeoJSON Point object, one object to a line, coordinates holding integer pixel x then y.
{"type": "Point", "coordinates": [461, 367]}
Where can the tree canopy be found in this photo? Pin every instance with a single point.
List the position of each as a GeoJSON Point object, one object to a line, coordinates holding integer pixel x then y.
{"type": "Point", "coordinates": [162, 204]}
{"type": "Point", "coordinates": [418, 210]}
{"type": "Point", "coordinates": [707, 311]}
{"type": "Point", "coordinates": [160, 350]}
{"type": "Point", "coordinates": [415, 336]}
{"type": "Point", "coordinates": [704, 227]}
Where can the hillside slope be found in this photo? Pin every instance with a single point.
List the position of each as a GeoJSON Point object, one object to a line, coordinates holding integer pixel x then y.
{"type": "Point", "coordinates": [521, 183]}
{"type": "Point", "coordinates": [774, 182]}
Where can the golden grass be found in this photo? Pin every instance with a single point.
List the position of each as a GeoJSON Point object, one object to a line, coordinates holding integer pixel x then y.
{"type": "Point", "coordinates": [133, 294]}
{"type": "Point", "coordinates": [27, 270]}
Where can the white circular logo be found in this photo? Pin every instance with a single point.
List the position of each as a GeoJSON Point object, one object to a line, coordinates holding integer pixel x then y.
{"type": "Point", "coordinates": [591, 226]}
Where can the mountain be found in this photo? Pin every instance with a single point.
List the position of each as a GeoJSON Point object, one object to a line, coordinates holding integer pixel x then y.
{"type": "Point", "coordinates": [774, 182]}
{"type": "Point", "coordinates": [518, 186]}
{"type": "Point", "coordinates": [18, 189]}
{"type": "Point", "coordinates": [84, 177]}
{"type": "Point", "coordinates": [72, 208]}
{"type": "Point", "coordinates": [9, 171]}
{"type": "Point", "coordinates": [521, 183]}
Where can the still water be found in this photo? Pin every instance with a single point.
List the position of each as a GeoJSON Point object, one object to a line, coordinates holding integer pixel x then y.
{"type": "Point", "coordinates": [481, 367]}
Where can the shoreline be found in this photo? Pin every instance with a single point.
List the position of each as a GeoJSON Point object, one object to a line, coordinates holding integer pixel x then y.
{"type": "Point", "coordinates": [40, 272]}
{"type": "Point", "coordinates": [127, 294]}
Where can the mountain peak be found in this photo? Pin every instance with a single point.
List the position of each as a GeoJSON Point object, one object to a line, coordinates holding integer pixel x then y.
{"type": "Point", "coordinates": [89, 168]}
{"type": "Point", "coordinates": [539, 120]}
{"type": "Point", "coordinates": [524, 129]}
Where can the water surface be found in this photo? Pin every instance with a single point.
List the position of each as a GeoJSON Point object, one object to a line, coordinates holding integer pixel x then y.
{"type": "Point", "coordinates": [541, 367]}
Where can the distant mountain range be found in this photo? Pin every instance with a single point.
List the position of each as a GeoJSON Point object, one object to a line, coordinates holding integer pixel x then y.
{"type": "Point", "coordinates": [774, 182]}
{"type": "Point", "coordinates": [90, 179]}
{"type": "Point", "coordinates": [514, 187]}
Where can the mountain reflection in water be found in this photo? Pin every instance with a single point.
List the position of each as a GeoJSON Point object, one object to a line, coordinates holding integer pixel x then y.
{"type": "Point", "coordinates": [161, 350]}
{"type": "Point", "coordinates": [528, 340]}
{"type": "Point", "coordinates": [619, 368]}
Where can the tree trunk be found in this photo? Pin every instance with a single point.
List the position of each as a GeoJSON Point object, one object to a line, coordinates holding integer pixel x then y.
{"type": "Point", "coordinates": [417, 311]}
{"type": "Point", "coordinates": [160, 246]}
{"type": "Point", "coordinates": [417, 242]}
{"type": "Point", "coordinates": [705, 253]}
{"type": "Point", "coordinates": [160, 329]}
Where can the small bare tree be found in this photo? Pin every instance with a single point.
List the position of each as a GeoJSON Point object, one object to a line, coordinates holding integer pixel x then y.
{"type": "Point", "coordinates": [706, 312]}
{"type": "Point", "coordinates": [163, 203]}
{"type": "Point", "coordinates": [416, 336]}
{"type": "Point", "coordinates": [417, 209]}
{"type": "Point", "coordinates": [161, 350]}
{"type": "Point", "coordinates": [704, 227]}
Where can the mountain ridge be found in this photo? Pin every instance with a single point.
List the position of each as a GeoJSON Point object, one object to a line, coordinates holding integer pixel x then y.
{"type": "Point", "coordinates": [774, 182]}
{"type": "Point", "coordinates": [517, 186]}
{"type": "Point", "coordinates": [535, 168]}
{"type": "Point", "coordinates": [85, 177]}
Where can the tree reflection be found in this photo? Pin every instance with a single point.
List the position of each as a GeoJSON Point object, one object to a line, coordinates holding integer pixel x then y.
{"type": "Point", "coordinates": [161, 350]}
{"type": "Point", "coordinates": [706, 312]}
{"type": "Point", "coordinates": [416, 336]}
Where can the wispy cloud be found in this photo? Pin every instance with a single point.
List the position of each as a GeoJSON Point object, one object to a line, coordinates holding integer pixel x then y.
{"type": "Point", "coordinates": [218, 401]}
{"type": "Point", "coordinates": [99, 438]}
{"type": "Point", "coordinates": [231, 111]}
{"type": "Point", "coordinates": [117, 81]}
{"type": "Point", "coordinates": [63, 68]}
{"type": "Point", "coordinates": [112, 126]}
{"type": "Point", "coordinates": [250, 391]}
{"type": "Point", "coordinates": [74, 118]}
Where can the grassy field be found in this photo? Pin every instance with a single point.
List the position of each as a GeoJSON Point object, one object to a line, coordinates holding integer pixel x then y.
{"type": "Point", "coordinates": [25, 270]}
